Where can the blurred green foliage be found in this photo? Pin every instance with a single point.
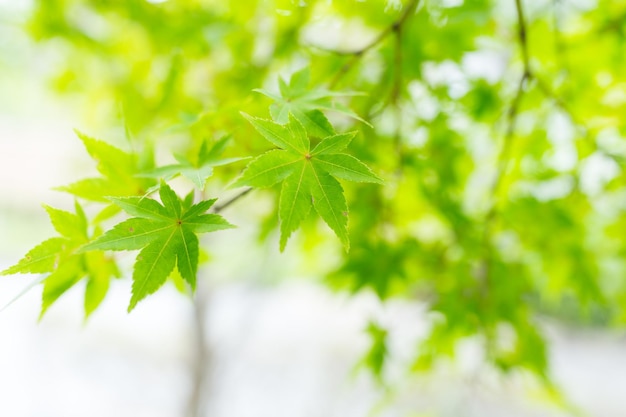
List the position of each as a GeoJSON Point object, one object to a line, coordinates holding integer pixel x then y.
{"type": "Point", "coordinates": [498, 128]}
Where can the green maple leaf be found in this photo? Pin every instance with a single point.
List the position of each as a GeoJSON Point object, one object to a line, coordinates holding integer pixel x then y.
{"type": "Point", "coordinates": [166, 233]}
{"type": "Point", "coordinates": [197, 171]}
{"type": "Point", "coordinates": [118, 171]}
{"type": "Point", "coordinates": [305, 104]}
{"type": "Point", "coordinates": [308, 176]}
{"type": "Point", "coordinates": [58, 257]}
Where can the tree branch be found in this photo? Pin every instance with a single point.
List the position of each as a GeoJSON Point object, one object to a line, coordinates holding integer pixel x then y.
{"type": "Point", "coordinates": [218, 208]}
{"type": "Point", "coordinates": [395, 94]}
{"type": "Point", "coordinates": [395, 27]}
{"type": "Point", "coordinates": [527, 75]}
{"type": "Point", "coordinates": [201, 362]}
{"type": "Point", "coordinates": [522, 34]}
{"type": "Point", "coordinates": [504, 154]}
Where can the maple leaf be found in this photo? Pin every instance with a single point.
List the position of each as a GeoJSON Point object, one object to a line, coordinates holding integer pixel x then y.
{"type": "Point", "coordinates": [165, 232]}
{"type": "Point", "coordinates": [118, 171]}
{"type": "Point", "coordinates": [308, 176]}
{"type": "Point", "coordinates": [197, 171]}
{"type": "Point", "coordinates": [118, 176]}
{"type": "Point", "coordinates": [305, 104]}
{"type": "Point", "coordinates": [58, 257]}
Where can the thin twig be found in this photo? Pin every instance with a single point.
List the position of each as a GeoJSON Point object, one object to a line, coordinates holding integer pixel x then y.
{"type": "Point", "coordinates": [507, 143]}
{"type": "Point", "coordinates": [357, 54]}
{"type": "Point", "coordinates": [527, 75]}
{"type": "Point", "coordinates": [227, 203]}
{"type": "Point", "coordinates": [395, 94]}
{"type": "Point", "coordinates": [522, 34]}
{"type": "Point", "coordinates": [504, 154]}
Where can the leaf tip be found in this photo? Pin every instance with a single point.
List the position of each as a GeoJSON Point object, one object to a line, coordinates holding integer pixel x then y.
{"type": "Point", "coordinates": [132, 304]}
{"type": "Point", "coordinates": [247, 116]}
{"type": "Point", "coordinates": [237, 182]}
{"type": "Point", "coordinates": [283, 242]}
{"type": "Point", "coordinates": [44, 308]}
{"type": "Point", "coordinates": [80, 134]}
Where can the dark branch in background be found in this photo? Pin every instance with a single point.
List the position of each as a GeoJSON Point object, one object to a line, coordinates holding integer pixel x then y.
{"type": "Point", "coordinates": [485, 274]}
{"type": "Point", "coordinates": [527, 77]}
{"type": "Point", "coordinates": [504, 155]}
{"type": "Point", "coordinates": [395, 93]}
{"type": "Point", "coordinates": [227, 203]}
{"type": "Point", "coordinates": [394, 28]}
{"type": "Point", "coordinates": [201, 363]}
{"type": "Point", "coordinates": [201, 357]}
{"type": "Point", "coordinates": [522, 34]}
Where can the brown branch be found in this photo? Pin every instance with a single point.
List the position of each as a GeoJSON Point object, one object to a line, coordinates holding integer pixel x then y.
{"type": "Point", "coordinates": [227, 203]}
{"type": "Point", "coordinates": [527, 75]}
{"type": "Point", "coordinates": [485, 274]}
{"type": "Point", "coordinates": [395, 95]}
{"type": "Point", "coordinates": [201, 356]}
{"type": "Point", "coordinates": [395, 27]}
{"type": "Point", "coordinates": [522, 34]}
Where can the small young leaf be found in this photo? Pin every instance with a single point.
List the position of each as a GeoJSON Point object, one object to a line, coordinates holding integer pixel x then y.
{"type": "Point", "coordinates": [197, 172]}
{"type": "Point", "coordinates": [298, 100]}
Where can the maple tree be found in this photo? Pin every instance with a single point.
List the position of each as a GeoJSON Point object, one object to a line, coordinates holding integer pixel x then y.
{"type": "Point", "coordinates": [483, 126]}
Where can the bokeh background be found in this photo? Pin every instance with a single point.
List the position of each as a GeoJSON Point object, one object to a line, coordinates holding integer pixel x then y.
{"type": "Point", "coordinates": [278, 342]}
